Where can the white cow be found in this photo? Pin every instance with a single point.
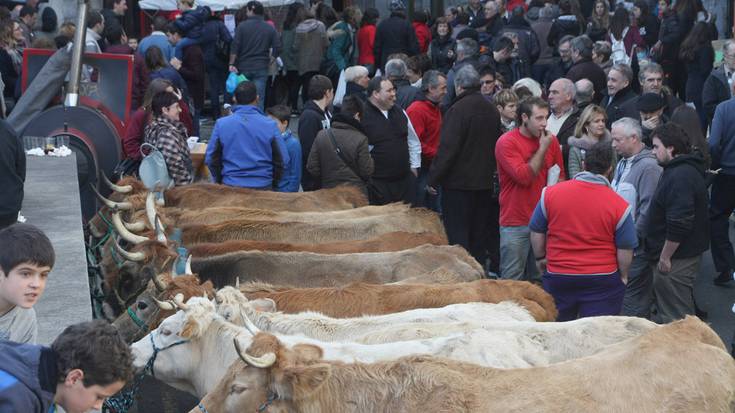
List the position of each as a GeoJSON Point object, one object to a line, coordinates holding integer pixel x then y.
{"type": "Point", "coordinates": [193, 348]}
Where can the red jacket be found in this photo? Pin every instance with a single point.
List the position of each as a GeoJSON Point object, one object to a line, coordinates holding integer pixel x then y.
{"type": "Point", "coordinates": [426, 118]}
{"type": "Point", "coordinates": [520, 189]}
{"type": "Point", "coordinates": [365, 43]}
{"type": "Point", "coordinates": [423, 35]}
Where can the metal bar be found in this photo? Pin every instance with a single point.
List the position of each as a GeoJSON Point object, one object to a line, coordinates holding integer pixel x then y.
{"type": "Point", "coordinates": [72, 95]}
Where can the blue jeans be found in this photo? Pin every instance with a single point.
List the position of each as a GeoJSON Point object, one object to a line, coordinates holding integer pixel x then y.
{"type": "Point", "coordinates": [183, 44]}
{"type": "Point", "coordinates": [516, 257]}
{"type": "Point", "coordinates": [423, 198]}
{"type": "Point", "coordinates": [259, 77]}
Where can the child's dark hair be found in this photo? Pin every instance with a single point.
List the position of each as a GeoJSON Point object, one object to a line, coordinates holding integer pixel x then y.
{"type": "Point", "coordinates": [162, 100]}
{"type": "Point", "coordinates": [96, 348]}
{"type": "Point", "coordinates": [24, 243]}
{"type": "Point", "coordinates": [280, 112]}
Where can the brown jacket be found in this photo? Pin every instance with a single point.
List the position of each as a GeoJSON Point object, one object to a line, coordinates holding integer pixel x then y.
{"type": "Point", "coordinates": [325, 164]}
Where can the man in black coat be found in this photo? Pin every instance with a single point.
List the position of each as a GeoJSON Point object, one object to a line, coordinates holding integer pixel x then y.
{"type": "Point", "coordinates": [651, 78]}
{"type": "Point", "coordinates": [464, 166]}
{"type": "Point", "coordinates": [314, 118]}
{"type": "Point", "coordinates": [584, 67]}
{"type": "Point", "coordinates": [677, 231]}
{"type": "Point", "coordinates": [12, 174]}
{"type": "Point", "coordinates": [619, 91]}
{"type": "Point", "coordinates": [394, 35]}
{"type": "Point", "coordinates": [397, 71]}
{"type": "Point", "coordinates": [718, 85]}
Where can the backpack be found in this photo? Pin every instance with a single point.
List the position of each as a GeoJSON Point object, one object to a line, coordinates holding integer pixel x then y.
{"type": "Point", "coordinates": [153, 170]}
{"type": "Point", "coordinates": [618, 54]}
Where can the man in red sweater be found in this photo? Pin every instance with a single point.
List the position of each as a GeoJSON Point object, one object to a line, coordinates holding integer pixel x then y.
{"type": "Point", "coordinates": [426, 118]}
{"type": "Point", "coordinates": [524, 156]}
{"type": "Point", "coordinates": [583, 237]}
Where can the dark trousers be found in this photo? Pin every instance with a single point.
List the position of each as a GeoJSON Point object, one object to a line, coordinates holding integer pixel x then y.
{"type": "Point", "coordinates": [578, 296]}
{"type": "Point", "coordinates": [385, 191]}
{"type": "Point", "coordinates": [639, 290]}
{"type": "Point", "coordinates": [467, 216]}
{"type": "Point", "coordinates": [423, 198]}
{"type": "Point", "coordinates": [305, 79]}
{"type": "Point", "coordinates": [721, 205]}
{"type": "Point", "coordinates": [293, 83]}
{"type": "Point", "coordinates": [217, 78]}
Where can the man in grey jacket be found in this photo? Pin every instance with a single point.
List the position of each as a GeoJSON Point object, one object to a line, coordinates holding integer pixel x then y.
{"type": "Point", "coordinates": [255, 43]}
{"type": "Point", "coordinates": [635, 179]}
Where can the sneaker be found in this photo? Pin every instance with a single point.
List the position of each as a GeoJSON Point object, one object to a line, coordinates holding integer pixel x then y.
{"type": "Point", "coordinates": [724, 278]}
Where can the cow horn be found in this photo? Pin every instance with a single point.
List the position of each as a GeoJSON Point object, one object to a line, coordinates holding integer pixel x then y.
{"type": "Point", "coordinates": [263, 362]}
{"type": "Point", "coordinates": [150, 208]}
{"type": "Point", "coordinates": [165, 305]}
{"type": "Point", "coordinates": [127, 235]}
{"type": "Point", "coordinates": [179, 301]}
{"type": "Point", "coordinates": [252, 328]}
{"type": "Point", "coordinates": [237, 283]}
{"type": "Point", "coordinates": [160, 232]}
{"type": "Point", "coordinates": [125, 189]}
{"type": "Point", "coordinates": [130, 256]}
{"type": "Point", "coordinates": [160, 286]}
{"type": "Point", "coordinates": [111, 204]}
{"type": "Point", "coordinates": [188, 270]}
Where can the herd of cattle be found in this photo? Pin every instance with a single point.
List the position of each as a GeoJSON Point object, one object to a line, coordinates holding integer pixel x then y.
{"type": "Point", "coordinates": [315, 302]}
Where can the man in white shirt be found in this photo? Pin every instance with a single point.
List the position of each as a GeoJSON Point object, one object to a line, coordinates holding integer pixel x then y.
{"type": "Point", "coordinates": [564, 113]}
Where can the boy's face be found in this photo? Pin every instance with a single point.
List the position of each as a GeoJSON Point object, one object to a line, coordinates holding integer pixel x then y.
{"type": "Point", "coordinates": [282, 125]}
{"type": "Point", "coordinates": [74, 397]}
{"type": "Point", "coordinates": [23, 285]}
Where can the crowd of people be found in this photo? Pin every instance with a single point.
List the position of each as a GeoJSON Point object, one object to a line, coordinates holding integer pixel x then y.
{"type": "Point", "coordinates": [584, 145]}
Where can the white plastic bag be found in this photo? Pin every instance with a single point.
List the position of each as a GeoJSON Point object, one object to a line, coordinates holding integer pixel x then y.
{"type": "Point", "coordinates": [339, 94]}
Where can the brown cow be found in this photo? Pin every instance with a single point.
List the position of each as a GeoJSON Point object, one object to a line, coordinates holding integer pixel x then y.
{"type": "Point", "coordinates": [415, 220]}
{"type": "Point", "coordinates": [681, 367]}
{"type": "Point", "coordinates": [392, 241]}
{"type": "Point", "coordinates": [145, 314]}
{"type": "Point", "coordinates": [358, 299]}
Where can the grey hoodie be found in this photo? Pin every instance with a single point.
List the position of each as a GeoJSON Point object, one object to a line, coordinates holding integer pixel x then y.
{"type": "Point", "coordinates": [310, 43]}
{"type": "Point", "coordinates": [639, 185]}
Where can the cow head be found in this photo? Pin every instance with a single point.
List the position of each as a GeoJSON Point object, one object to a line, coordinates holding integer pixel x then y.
{"type": "Point", "coordinates": [237, 309]}
{"type": "Point", "coordinates": [268, 374]}
{"type": "Point", "coordinates": [154, 304]}
{"type": "Point", "coordinates": [128, 195]}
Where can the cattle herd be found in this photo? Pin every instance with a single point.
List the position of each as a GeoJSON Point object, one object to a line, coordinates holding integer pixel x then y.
{"type": "Point", "coordinates": [316, 302]}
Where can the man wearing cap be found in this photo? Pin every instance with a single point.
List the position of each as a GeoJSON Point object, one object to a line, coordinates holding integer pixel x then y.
{"type": "Point", "coordinates": [394, 35]}
{"type": "Point", "coordinates": [651, 108]}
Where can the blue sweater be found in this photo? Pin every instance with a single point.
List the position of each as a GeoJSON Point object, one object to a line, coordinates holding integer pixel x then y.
{"type": "Point", "coordinates": [27, 378]}
{"type": "Point", "coordinates": [241, 149]}
{"type": "Point", "coordinates": [160, 40]}
{"type": "Point", "coordinates": [722, 138]}
{"type": "Point", "coordinates": [291, 178]}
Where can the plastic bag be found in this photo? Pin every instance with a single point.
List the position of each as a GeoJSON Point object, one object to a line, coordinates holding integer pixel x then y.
{"type": "Point", "coordinates": [233, 80]}
{"type": "Point", "coordinates": [341, 89]}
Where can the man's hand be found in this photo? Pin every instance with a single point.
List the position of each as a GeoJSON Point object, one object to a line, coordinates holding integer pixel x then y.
{"type": "Point", "coordinates": [545, 139]}
{"type": "Point", "coordinates": [175, 63]}
{"type": "Point", "coordinates": [651, 123]}
{"type": "Point", "coordinates": [415, 171]}
{"type": "Point", "coordinates": [232, 68]}
{"type": "Point", "coordinates": [431, 190]}
{"type": "Point", "coordinates": [541, 265]}
{"type": "Point", "coordinates": [664, 264]}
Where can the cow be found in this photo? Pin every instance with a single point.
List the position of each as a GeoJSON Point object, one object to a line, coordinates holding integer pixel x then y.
{"type": "Point", "coordinates": [566, 339]}
{"type": "Point", "coordinates": [198, 336]}
{"type": "Point", "coordinates": [392, 241]}
{"type": "Point", "coordinates": [681, 367]}
{"type": "Point", "coordinates": [145, 313]}
{"type": "Point", "coordinates": [358, 299]}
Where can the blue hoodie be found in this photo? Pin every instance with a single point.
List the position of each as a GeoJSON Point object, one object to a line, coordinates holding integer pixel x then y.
{"type": "Point", "coordinates": [291, 179]}
{"type": "Point", "coordinates": [28, 378]}
{"type": "Point", "coordinates": [246, 149]}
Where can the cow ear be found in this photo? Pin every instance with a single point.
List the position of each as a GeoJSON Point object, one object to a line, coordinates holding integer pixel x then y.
{"type": "Point", "coordinates": [264, 305]}
{"type": "Point", "coordinates": [191, 329]}
{"type": "Point", "coordinates": [307, 352]}
{"type": "Point", "coordinates": [306, 380]}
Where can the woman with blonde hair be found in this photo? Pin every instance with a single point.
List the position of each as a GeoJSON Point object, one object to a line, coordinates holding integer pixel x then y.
{"type": "Point", "coordinates": [590, 129]}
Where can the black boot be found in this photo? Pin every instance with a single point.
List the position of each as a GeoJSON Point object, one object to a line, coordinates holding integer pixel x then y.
{"type": "Point", "coordinates": [724, 278]}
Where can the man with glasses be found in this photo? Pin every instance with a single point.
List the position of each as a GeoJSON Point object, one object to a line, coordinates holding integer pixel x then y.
{"type": "Point", "coordinates": [488, 85]}
{"type": "Point", "coordinates": [718, 86]}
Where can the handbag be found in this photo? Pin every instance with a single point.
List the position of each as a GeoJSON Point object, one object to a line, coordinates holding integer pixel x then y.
{"type": "Point", "coordinates": [153, 170]}
{"type": "Point", "coordinates": [374, 194]}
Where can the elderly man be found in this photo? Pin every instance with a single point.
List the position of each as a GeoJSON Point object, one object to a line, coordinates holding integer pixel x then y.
{"type": "Point", "coordinates": [524, 157]}
{"type": "Point", "coordinates": [464, 167]}
{"type": "Point", "coordinates": [467, 51]}
{"type": "Point", "coordinates": [396, 150]}
{"type": "Point", "coordinates": [651, 79]}
{"type": "Point", "coordinates": [583, 238]}
{"type": "Point", "coordinates": [564, 113]}
{"type": "Point", "coordinates": [677, 231]}
{"type": "Point", "coordinates": [635, 178]}
{"type": "Point", "coordinates": [584, 67]}
{"type": "Point", "coordinates": [718, 86]}
{"type": "Point", "coordinates": [396, 70]}
{"type": "Point", "coordinates": [585, 93]}
{"type": "Point", "coordinates": [619, 91]}
{"type": "Point", "coordinates": [426, 118]}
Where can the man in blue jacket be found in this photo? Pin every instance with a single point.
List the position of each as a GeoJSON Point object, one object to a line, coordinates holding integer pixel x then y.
{"type": "Point", "coordinates": [246, 149]}
{"type": "Point", "coordinates": [87, 363]}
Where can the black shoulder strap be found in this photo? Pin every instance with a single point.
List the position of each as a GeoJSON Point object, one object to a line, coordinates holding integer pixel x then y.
{"type": "Point", "coordinates": [342, 156]}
